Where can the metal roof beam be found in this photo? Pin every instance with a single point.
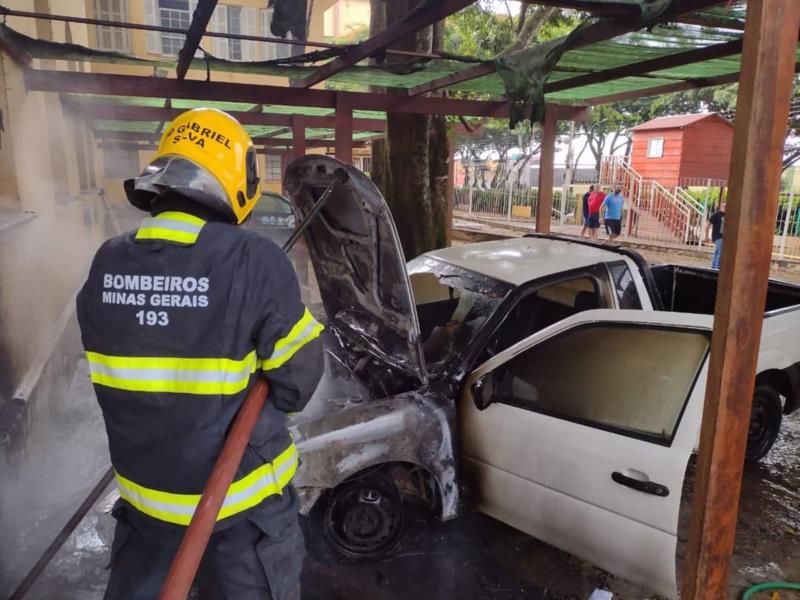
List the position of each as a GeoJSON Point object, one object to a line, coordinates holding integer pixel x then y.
{"type": "Point", "coordinates": [598, 32]}
{"type": "Point", "coordinates": [200, 18]}
{"type": "Point", "coordinates": [436, 11]}
{"type": "Point", "coordinates": [231, 36]}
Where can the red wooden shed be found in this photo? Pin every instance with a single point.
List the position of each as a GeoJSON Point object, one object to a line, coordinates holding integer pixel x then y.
{"type": "Point", "coordinates": [673, 150]}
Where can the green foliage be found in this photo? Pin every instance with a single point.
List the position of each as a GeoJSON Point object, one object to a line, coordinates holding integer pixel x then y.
{"type": "Point", "coordinates": [482, 31]}
{"type": "Point", "coordinates": [355, 33]}
{"type": "Point", "coordinates": [477, 32]}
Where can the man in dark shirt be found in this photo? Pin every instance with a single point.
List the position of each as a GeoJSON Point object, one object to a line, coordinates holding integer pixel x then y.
{"type": "Point", "coordinates": [586, 211]}
{"type": "Point", "coordinates": [715, 226]}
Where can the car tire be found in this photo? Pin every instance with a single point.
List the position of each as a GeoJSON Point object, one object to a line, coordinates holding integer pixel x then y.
{"type": "Point", "coordinates": [765, 422]}
{"type": "Point", "coordinates": [364, 517]}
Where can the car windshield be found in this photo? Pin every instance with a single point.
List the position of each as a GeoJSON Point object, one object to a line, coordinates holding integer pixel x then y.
{"type": "Point", "coordinates": [453, 304]}
{"type": "Point", "coordinates": [273, 203]}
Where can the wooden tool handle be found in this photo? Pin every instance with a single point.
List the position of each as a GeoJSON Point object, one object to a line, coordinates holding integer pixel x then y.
{"type": "Point", "coordinates": [190, 553]}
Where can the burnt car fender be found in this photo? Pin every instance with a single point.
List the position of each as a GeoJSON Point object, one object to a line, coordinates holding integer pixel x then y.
{"type": "Point", "coordinates": [411, 428]}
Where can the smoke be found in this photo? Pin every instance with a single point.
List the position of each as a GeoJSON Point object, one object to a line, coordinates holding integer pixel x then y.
{"type": "Point", "coordinates": [43, 261]}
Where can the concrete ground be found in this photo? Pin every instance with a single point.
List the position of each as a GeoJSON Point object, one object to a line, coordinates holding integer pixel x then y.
{"type": "Point", "coordinates": [474, 556]}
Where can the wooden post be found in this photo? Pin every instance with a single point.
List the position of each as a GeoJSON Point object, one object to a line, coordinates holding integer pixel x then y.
{"type": "Point", "coordinates": [298, 137]}
{"type": "Point", "coordinates": [344, 130]}
{"type": "Point", "coordinates": [451, 177]}
{"type": "Point", "coordinates": [762, 110]}
{"type": "Point", "coordinates": [544, 205]}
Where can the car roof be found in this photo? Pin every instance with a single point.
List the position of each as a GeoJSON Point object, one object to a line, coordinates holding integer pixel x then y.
{"type": "Point", "coordinates": [520, 260]}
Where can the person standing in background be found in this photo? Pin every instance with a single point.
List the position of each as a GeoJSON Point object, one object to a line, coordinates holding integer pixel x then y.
{"type": "Point", "coordinates": [585, 212]}
{"type": "Point", "coordinates": [595, 202]}
{"type": "Point", "coordinates": [613, 204]}
{"type": "Point", "coordinates": [715, 225]}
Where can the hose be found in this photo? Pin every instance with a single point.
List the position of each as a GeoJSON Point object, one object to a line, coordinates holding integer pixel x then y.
{"type": "Point", "coordinates": [772, 585]}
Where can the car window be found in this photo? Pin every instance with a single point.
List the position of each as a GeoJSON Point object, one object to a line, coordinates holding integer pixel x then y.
{"type": "Point", "coordinates": [632, 380]}
{"type": "Point", "coordinates": [452, 305]}
{"type": "Point", "coordinates": [624, 286]}
{"type": "Point", "coordinates": [545, 306]}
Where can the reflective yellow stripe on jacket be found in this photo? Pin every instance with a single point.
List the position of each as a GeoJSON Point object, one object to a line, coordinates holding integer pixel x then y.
{"type": "Point", "coordinates": [202, 376]}
{"type": "Point", "coordinates": [221, 376]}
{"type": "Point", "coordinates": [304, 331]}
{"type": "Point", "coordinates": [244, 493]}
{"type": "Point", "coordinates": [171, 226]}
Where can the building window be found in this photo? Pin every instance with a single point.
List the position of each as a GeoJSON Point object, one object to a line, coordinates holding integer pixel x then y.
{"type": "Point", "coordinates": [235, 26]}
{"type": "Point", "coordinates": [274, 171]}
{"type": "Point", "coordinates": [112, 38]}
{"type": "Point", "coordinates": [655, 148]}
{"type": "Point", "coordinates": [270, 50]}
{"type": "Point", "coordinates": [173, 13]}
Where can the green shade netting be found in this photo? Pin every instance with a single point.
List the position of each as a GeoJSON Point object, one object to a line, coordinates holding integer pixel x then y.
{"type": "Point", "coordinates": [523, 77]}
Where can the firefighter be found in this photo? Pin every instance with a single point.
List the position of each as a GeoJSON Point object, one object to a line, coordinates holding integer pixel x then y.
{"type": "Point", "coordinates": [178, 318]}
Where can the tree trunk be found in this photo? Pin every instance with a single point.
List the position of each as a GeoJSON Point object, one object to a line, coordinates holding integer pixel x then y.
{"type": "Point", "coordinates": [380, 173]}
{"type": "Point", "coordinates": [413, 176]}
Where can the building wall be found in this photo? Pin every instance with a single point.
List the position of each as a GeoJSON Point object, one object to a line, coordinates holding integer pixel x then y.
{"type": "Point", "coordinates": [50, 226]}
{"type": "Point", "coordinates": [665, 169]}
{"type": "Point", "coordinates": [707, 147]}
{"type": "Point", "coordinates": [345, 16]}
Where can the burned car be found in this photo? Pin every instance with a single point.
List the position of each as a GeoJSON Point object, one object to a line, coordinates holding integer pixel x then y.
{"type": "Point", "coordinates": [561, 382]}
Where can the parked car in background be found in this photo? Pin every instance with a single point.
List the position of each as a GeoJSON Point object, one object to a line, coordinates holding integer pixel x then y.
{"type": "Point", "coordinates": [273, 217]}
{"type": "Point", "coordinates": [562, 382]}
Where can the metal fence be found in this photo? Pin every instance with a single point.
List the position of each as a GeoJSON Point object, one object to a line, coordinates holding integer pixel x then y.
{"type": "Point", "coordinates": [653, 213]}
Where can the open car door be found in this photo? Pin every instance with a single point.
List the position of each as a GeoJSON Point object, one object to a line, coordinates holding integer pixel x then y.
{"type": "Point", "coordinates": [580, 436]}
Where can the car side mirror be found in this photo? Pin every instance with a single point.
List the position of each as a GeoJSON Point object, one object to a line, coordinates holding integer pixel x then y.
{"type": "Point", "coordinates": [493, 387]}
{"type": "Point", "coordinates": [482, 391]}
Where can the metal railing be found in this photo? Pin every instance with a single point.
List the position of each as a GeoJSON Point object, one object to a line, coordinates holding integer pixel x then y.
{"type": "Point", "coordinates": [668, 215]}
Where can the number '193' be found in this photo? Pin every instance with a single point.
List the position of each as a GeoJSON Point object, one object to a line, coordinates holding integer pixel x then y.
{"type": "Point", "coordinates": [152, 317]}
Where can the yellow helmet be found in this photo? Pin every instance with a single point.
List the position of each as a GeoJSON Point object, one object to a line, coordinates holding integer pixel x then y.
{"type": "Point", "coordinates": [207, 156]}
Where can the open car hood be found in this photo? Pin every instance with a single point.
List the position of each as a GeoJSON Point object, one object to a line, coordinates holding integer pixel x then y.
{"type": "Point", "coordinates": [358, 261]}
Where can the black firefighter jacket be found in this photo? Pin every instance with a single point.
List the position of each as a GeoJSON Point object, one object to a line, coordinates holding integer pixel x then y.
{"type": "Point", "coordinates": [177, 319]}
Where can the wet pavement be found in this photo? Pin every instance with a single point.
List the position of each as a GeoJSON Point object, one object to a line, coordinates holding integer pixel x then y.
{"type": "Point", "coordinates": [476, 557]}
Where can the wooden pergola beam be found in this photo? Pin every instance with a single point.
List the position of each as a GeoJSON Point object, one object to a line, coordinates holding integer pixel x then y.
{"type": "Point", "coordinates": [200, 18]}
{"type": "Point", "coordinates": [147, 141]}
{"type": "Point", "coordinates": [670, 88]}
{"type": "Point", "coordinates": [762, 110]}
{"type": "Point", "coordinates": [647, 66]}
{"type": "Point", "coordinates": [544, 202]}
{"type": "Point", "coordinates": [298, 137]}
{"type": "Point", "coordinates": [153, 87]}
{"type": "Point", "coordinates": [93, 109]}
{"type": "Point", "coordinates": [435, 11]}
{"type": "Point", "coordinates": [598, 32]}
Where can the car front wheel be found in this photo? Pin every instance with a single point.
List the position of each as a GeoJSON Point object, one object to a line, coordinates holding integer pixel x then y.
{"type": "Point", "coordinates": [364, 517]}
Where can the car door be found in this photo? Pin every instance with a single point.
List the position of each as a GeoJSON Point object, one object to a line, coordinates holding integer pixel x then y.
{"type": "Point", "coordinates": [580, 436]}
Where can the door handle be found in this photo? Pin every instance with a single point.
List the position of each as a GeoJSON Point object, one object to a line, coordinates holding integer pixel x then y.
{"type": "Point", "coordinates": [648, 487]}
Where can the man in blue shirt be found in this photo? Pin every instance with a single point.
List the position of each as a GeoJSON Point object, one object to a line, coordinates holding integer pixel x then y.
{"type": "Point", "coordinates": [613, 215]}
